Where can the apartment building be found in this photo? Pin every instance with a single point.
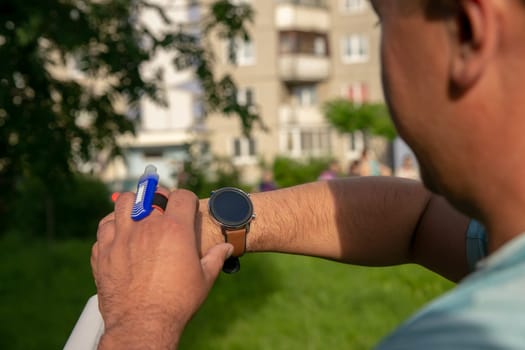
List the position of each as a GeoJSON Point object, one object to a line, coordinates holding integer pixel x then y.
{"type": "Point", "coordinates": [302, 53]}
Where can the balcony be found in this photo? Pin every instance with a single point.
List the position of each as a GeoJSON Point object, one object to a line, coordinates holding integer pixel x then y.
{"type": "Point", "coordinates": [307, 116]}
{"type": "Point", "coordinates": [302, 15]}
{"type": "Point", "coordinates": [303, 67]}
{"type": "Point", "coordinates": [156, 138]}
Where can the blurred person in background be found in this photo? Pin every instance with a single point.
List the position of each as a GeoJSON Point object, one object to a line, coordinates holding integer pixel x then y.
{"type": "Point", "coordinates": [407, 170]}
{"type": "Point", "coordinates": [370, 166]}
{"type": "Point", "coordinates": [332, 172]}
{"type": "Point", "coordinates": [267, 182]}
{"type": "Point", "coordinates": [354, 169]}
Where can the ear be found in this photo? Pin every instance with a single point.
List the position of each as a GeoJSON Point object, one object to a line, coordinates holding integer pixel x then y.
{"type": "Point", "coordinates": [473, 42]}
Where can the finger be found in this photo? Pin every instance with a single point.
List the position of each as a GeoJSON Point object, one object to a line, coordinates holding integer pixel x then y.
{"type": "Point", "coordinates": [94, 258]}
{"type": "Point", "coordinates": [213, 261]}
{"type": "Point", "coordinates": [182, 208]}
{"type": "Point", "coordinates": [123, 207]}
{"type": "Point", "coordinates": [109, 217]}
{"type": "Point", "coordinates": [106, 231]}
{"type": "Point", "coordinates": [164, 191]}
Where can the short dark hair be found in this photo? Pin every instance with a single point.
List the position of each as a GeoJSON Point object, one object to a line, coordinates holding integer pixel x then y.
{"type": "Point", "coordinates": [441, 9]}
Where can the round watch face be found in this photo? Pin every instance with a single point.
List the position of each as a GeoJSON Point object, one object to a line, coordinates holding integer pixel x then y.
{"type": "Point", "coordinates": [231, 207]}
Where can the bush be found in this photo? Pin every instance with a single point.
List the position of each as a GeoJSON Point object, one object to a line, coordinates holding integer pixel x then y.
{"type": "Point", "coordinates": [72, 212]}
{"type": "Point", "coordinates": [290, 172]}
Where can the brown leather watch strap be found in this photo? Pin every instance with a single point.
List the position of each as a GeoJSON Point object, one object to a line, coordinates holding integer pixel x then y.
{"type": "Point", "coordinates": [237, 238]}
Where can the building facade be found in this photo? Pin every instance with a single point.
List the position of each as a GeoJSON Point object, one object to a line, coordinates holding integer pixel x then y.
{"type": "Point", "coordinates": [302, 53]}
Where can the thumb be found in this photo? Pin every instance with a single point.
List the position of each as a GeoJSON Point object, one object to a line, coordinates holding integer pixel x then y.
{"type": "Point", "coordinates": [213, 260]}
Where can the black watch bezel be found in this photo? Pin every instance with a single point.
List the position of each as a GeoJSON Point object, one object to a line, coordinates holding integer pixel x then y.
{"type": "Point", "coordinates": [235, 199]}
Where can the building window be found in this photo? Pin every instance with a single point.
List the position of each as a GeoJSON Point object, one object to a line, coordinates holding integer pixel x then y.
{"type": "Point", "coordinates": [320, 46]}
{"type": "Point", "coordinates": [244, 52]}
{"type": "Point", "coordinates": [244, 150]}
{"type": "Point", "coordinates": [353, 6]}
{"type": "Point", "coordinates": [357, 92]}
{"type": "Point", "coordinates": [355, 48]}
{"type": "Point", "coordinates": [315, 142]}
{"type": "Point", "coordinates": [356, 144]}
{"type": "Point", "coordinates": [305, 95]}
{"type": "Point", "coordinates": [194, 12]}
{"type": "Point", "coordinates": [306, 142]}
{"type": "Point", "coordinates": [289, 143]}
{"type": "Point", "coordinates": [153, 154]}
{"type": "Point", "coordinates": [246, 97]}
{"type": "Point", "coordinates": [356, 141]}
{"type": "Point", "coordinates": [308, 43]}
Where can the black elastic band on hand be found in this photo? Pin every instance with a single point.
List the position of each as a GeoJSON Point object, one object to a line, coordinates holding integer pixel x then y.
{"type": "Point", "coordinates": [159, 201]}
{"type": "Point", "coordinates": [231, 265]}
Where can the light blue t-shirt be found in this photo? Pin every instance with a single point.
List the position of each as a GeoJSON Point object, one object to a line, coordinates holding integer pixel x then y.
{"type": "Point", "coordinates": [485, 311]}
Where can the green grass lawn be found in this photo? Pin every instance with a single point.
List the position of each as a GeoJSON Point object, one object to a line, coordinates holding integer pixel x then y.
{"type": "Point", "coordinates": [275, 302]}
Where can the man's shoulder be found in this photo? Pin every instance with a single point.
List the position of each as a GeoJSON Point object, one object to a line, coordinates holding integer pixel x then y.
{"type": "Point", "coordinates": [486, 310]}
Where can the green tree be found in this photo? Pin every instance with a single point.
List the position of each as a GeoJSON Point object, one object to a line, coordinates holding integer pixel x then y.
{"type": "Point", "coordinates": [371, 118]}
{"type": "Point", "coordinates": [50, 122]}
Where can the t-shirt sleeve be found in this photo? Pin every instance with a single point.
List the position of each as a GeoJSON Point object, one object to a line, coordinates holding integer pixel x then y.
{"type": "Point", "coordinates": [476, 243]}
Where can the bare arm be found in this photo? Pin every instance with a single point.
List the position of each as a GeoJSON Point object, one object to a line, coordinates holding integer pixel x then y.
{"type": "Point", "coordinates": [150, 280]}
{"type": "Point", "coordinates": [373, 221]}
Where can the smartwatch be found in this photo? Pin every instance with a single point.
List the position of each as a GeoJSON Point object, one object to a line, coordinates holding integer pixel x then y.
{"type": "Point", "coordinates": [232, 209]}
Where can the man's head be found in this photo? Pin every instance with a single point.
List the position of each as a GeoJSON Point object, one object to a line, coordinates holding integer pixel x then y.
{"type": "Point", "coordinates": [453, 73]}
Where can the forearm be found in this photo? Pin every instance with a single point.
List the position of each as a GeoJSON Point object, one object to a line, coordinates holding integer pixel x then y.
{"type": "Point", "coordinates": [367, 221]}
{"type": "Point", "coordinates": [359, 221]}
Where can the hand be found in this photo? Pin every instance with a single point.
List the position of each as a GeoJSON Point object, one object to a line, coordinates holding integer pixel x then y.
{"type": "Point", "coordinates": [149, 277]}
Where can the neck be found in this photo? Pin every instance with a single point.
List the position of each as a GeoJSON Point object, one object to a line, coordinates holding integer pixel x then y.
{"type": "Point", "coordinates": [503, 212]}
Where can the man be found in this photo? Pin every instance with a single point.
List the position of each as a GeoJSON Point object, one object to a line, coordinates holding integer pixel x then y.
{"type": "Point", "coordinates": [370, 166]}
{"type": "Point", "coordinates": [453, 74]}
{"type": "Point", "coordinates": [407, 170]}
{"type": "Point", "coordinates": [331, 172]}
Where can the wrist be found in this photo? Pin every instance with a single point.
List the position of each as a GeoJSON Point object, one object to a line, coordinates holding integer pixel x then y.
{"type": "Point", "coordinates": [148, 332]}
{"type": "Point", "coordinates": [208, 232]}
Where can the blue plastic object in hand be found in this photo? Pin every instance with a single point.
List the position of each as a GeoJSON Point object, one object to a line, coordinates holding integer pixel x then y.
{"type": "Point", "coordinates": [146, 187]}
